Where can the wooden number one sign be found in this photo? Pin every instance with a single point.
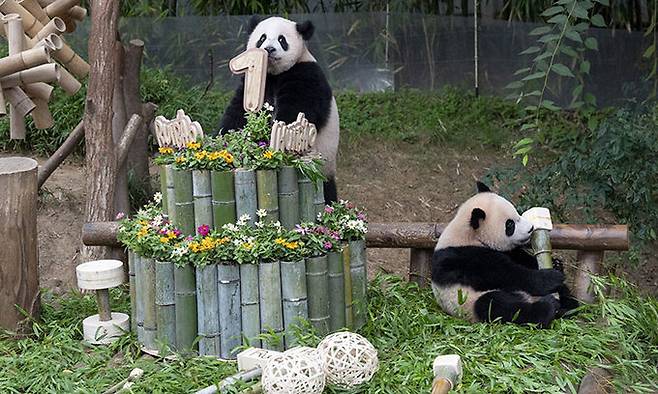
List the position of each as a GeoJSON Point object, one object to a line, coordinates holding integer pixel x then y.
{"type": "Point", "coordinates": [253, 63]}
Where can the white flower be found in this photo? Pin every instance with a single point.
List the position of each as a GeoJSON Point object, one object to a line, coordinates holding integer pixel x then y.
{"type": "Point", "coordinates": [261, 213]}
{"type": "Point", "coordinates": [259, 224]}
{"type": "Point", "coordinates": [181, 250]}
{"type": "Point", "coordinates": [344, 202]}
{"type": "Point", "coordinates": [277, 224]}
{"type": "Point", "coordinates": [157, 197]}
{"type": "Point", "coordinates": [157, 221]}
{"type": "Point", "coordinates": [230, 227]}
{"type": "Point", "coordinates": [319, 215]}
{"type": "Point", "coordinates": [243, 219]}
{"type": "Point", "coordinates": [268, 107]}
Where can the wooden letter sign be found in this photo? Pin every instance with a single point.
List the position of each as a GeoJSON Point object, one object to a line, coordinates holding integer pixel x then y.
{"type": "Point", "coordinates": [253, 63]}
{"type": "Point", "coordinates": [298, 136]}
{"type": "Point", "coordinates": [178, 131]}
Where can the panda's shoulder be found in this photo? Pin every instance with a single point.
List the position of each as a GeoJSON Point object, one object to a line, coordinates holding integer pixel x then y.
{"type": "Point", "coordinates": [303, 70]}
{"type": "Point", "coordinates": [466, 253]}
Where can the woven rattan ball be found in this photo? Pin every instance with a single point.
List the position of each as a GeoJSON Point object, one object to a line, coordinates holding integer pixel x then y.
{"type": "Point", "coordinates": [295, 373]}
{"type": "Point", "coordinates": [348, 359]}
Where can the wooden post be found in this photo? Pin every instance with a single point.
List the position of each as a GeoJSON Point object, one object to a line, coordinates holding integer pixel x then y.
{"type": "Point", "coordinates": [589, 262]}
{"type": "Point", "coordinates": [19, 276]}
{"type": "Point", "coordinates": [420, 266]}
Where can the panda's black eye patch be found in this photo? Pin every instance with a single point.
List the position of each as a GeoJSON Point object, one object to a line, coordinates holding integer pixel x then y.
{"type": "Point", "coordinates": [261, 40]}
{"type": "Point", "coordinates": [510, 226]}
{"type": "Point", "coordinates": [283, 42]}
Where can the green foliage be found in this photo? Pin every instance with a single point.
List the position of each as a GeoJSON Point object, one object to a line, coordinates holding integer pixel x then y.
{"type": "Point", "coordinates": [650, 53]}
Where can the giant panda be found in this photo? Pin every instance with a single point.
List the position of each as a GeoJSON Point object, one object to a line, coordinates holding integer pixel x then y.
{"type": "Point", "coordinates": [480, 270]}
{"type": "Point", "coordinates": [295, 83]}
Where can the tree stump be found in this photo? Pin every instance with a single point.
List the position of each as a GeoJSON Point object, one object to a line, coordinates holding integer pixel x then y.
{"type": "Point", "coordinates": [19, 259]}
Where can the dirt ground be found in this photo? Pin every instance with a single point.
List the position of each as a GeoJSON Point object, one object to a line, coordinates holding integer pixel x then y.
{"type": "Point", "coordinates": [395, 182]}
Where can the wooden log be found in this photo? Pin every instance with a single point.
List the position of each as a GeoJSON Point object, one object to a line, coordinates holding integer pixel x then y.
{"type": "Point", "coordinates": [148, 294]}
{"type": "Point", "coordinates": [223, 198]}
{"type": "Point", "coordinates": [250, 303]}
{"type": "Point", "coordinates": [420, 264]}
{"type": "Point", "coordinates": [347, 278]}
{"type": "Point", "coordinates": [294, 298]}
{"type": "Point", "coordinates": [127, 137]}
{"type": "Point", "coordinates": [589, 262]}
{"type": "Point", "coordinates": [18, 256]}
{"type": "Point", "coordinates": [165, 303]}
{"type": "Point", "coordinates": [139, 297]}
{"type": "Point", "coordinates": [358, 261]}
{"type": "Point", "coordinates": [306, 198]}
{"type": "Point", "coordinates": [208, 310]}
{"type": "Point", "coordinates": [103, 304]}
{"type": "Point", "coordinates": [268, 199]}
{"type": "Point", "coordinates": [245, 194]}
{"type": "Point", "coordinates": [229, 309]}
{"type": "Point", "coordinates": [131, 285]}
{"type": "Point", "coordinates": [336, 285]}
{"type": "Point", "coordinates": [288, 197]}
{"type": "Point", "coordinates": [61, 154]}
{"type": "Point", "coordinates": [269, 291]}
{"type": "Point", "coordinates": [318, 202]}
{"type": "Point", "coordinates": [317, 285]}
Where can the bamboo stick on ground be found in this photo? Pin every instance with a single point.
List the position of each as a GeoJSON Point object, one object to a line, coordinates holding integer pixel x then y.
{"type": "Point", "coordinates": [336, 284]}
{"type": "Point", "coordinates": [294, 296]}
{"type": "Point", "coordinates": [139, 297]}
{"type": "Point", "coordinates": [223, 198]}
{"type": "Point", "coordinates": [131, 284]}
{"type": "Point", "coordinates": [347, 277]}
{"type": "Point", "coordinates": [268, 199]}
{"type": "Point", "coordinates": [318, 296]}
{"type": "Point", "coordinates": [245, 194]}
{"type": "Point", "coordinates": [288, 197]}
{"type": "Point", "coordinates": [230, 327]}
{"type": "Point", "coordinates": [250, 303]}
{"type": "Point", "coordinates": [271, 313]}
{"type": "Point", "coordinates": [306, 198]}
{"type": "Point", "coordinates": [208, 310]}
{"type": "Point", "coordinates": [148, 292]}
{"type": "Point", "coordinates": [359, 275]}
{"type": "Point", "coordinates": [165, 303]}
{"type": "Point", "coordinates": [318, 202]}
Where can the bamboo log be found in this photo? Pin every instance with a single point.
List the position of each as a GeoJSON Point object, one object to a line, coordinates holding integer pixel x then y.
{"type": "Point", "coordinates": [230, 326]}
{"type": "Point", "coordinates": [336, 284]}
{"type": "Point", "coordinates": [16, 115]}
{"type": "Point", "coordinates": [271, 313]}
{"type": "Point", "coordinates": [78, 13]}
{"type": "Point", "coordinates": [40, 90]}
{"type": "Point", "coordinates": [202, 193]}
{"type": "Point", "coordinates": [170, 202]}
{"type": "Point", "coordinates": [359, 271]}
{"type": "Point", "coordinates": [162, 173]}
{"type": "Point", "coordinates": [317, 282]}
{"type": "Point", "coordinates": [541, 246]}
{"type": "Point", "coordinates": [250, 303]}
{"type": "Point", "coordinates": [294, 296]}
{"type": "Point", "coordinates": [131, 284]}
{"type": "Point", "coordinates": [184, 201]}
{"type": "Point", "coordinates": [165, 303]}
{"type": "Point", "coordinates": [41, 115]}
{"type": "Point", "coordinates": [24, 60]}
{"type": "Point", "coordinates": [589, 263]}
{"type": "Point", "coordinates": [68, 83]}
{"type": "Point", "coordinates": [61, 153]}
{"type": "Point", "coordinates": [223, 198]}
{"type": "Point", "coordinates": [148, 292]}
{"type": "Point", "coordinates": [266, 186]}
{"type": "Point", "coordinates": [245, 194]}
{"type": "Point", "coordinates": [54, 26]}
{"type": "Point", "coordinates": [139, 297]}
{"type": "Point", "coordinates": [3, 103]}
{"type": "Point", "coordinates": [288, 197]}
{"type": "Point", "coordinates": [207, 310]}
{"type": "Point", "coordinates": [318, 202]}
{"type": "Point", "coordinates": [306, 198]}
{"type": "Point", "coordinates": [49, 72]}
{"type": "Point", "coordinates": [60, 7]}
{"type": "Point", "coordinates": [74, 63]}
{"type": "Point", "coordinates": [20, 101]}
{"type": "Point", "coordinates": [347, 277]}
{"type": "Point", "coordinates": [31, 25]}
{"type": "Point", "coordinates": [34, 8]}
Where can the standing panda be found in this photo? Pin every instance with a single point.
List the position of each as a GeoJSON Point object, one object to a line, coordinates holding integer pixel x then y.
{"type": "Point", "coordinates": [481, 272]}
{"type": "Point", "coordinates": [295, 83]}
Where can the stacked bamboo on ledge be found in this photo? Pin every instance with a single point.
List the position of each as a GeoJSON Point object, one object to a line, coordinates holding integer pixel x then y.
{"type": "Point", "coordinates": [33, 31]}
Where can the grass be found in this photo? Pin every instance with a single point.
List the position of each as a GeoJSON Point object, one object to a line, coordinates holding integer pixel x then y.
{"type": "Point", "coordinates": [405, 326]}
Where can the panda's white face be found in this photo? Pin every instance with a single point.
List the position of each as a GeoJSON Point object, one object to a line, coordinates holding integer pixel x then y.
{"type": "Point", "coordinates": [284, 44]}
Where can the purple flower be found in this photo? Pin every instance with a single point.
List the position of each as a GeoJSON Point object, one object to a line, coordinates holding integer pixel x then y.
{"type": "Point", "coordinates": [203, 230]}
{"type": "Point", "coordinates": [361, 216]}
{"type": "Point", "coordinates": [334, 235]}
{"type": "Point", "coordinates": [163, 231]}
{"type": "Point", "coordinates": [327, 245]}
{"type": "Point", "coordinates": [300, 230]}
{"type": "Point", "coordinates": [262, 144]}
{"type": "Point", "coordinates": [177, 232]}
{"type": "Point", "coordinates": [189, 238]}
{"type": "Point", "coordinates": [320, 230]}
{"type": "Point", "coordinates": [120, 216]}
{"type": "Point", "coordinates": [328, 209]}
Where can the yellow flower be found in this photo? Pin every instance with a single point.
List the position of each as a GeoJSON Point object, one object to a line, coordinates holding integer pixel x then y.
{"type": "Point", "coordinates": [164, 240]}
{"type": "Point", "coordinates": [200, 155]}
{"type": "Point", "coordinates": [194, 246]}
{"type": "Point", "coordinates": [292, 245]}
{"type": "Point", "coordinates": [142, 232]}
{"type": "Point", "coordinates": [214, 155]}
{"type": "Point", "coordinates": [228, 158]}
{"type": "Point", "coordinates": [207, 243]}
{"type": "Point", "coordinates": [166, 150]}
{"type": "Point", "coordinates": [171, 234]}
{"type": "Point", "coordinates": [222, 241]}
{"type": "Point", "coordinates": [246, 245]}
{"type": "Point", "coordinates": [144, 222]}
{"type": "Point", "coordinates": [180, 159]}
{"type": "Point", "coordinates": [193, 145]}
{"type": "Point", "coordinates": [279, 241]}
{"type": "Point", "coordinates": [268, 154]}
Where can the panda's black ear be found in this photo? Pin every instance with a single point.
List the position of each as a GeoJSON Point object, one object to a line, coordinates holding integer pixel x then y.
{"type": "Point", "coordinates": [306, 29]}
{"type": "Point", "coordinates": [253, 22]}
{"type": "Point", "coordinates": [476, 215]}
{"type": "Point", "coordinates": [482, 188]}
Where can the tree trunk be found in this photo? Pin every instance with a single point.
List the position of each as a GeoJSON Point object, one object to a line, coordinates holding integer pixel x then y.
{"type": "Point", "coordinates": [100, 156]}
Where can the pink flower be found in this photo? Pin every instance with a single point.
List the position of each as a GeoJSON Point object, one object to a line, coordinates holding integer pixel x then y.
{"type": "Point", "coordinates": [203, 230]}
{"type": "Point", "coordinates": [177, 232]}
{"type": "Point", "coordinates": [300, 230]}
{"type": "Point", "coordinates": [189, 238]}
{"type": "Point", "coordinates": [120, 216]}
{"type": "Point", "coordinates": [361, 216]}
{"type": "Point", "coordinates": [327, 245]}
{"type": "Point", "coordinates": [328, 209]}
{"type": "Point", "coordinates": [334, 235]}
{"type": "Point", "coordinates": [163, 231]}
{"type": "Point", "coordinates": [320, 230]}
{"type": "Point", "coordinates": [349, 205]}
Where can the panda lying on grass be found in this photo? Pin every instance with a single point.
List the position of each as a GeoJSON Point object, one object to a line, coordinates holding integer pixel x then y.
{"type": "Point", "coordinates": [480, 270]}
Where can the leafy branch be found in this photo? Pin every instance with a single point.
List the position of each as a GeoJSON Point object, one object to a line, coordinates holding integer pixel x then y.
{"type": "Point", "coordinates": [650, 52]}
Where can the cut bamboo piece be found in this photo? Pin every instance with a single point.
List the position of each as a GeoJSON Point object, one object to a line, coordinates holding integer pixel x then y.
{"type": "Point", "coordinates": [41, 115]}
{"type": "Point", "coordinates": [541, 245]}
{"type": "Point", "coordinates": [250, 303]}
{"type": "Point", "coordinates": [60, 7]}
{"type": "Point", "coordinates": [186, 313]}
{"type": "Point", "coordinates": [55, 26]}
{"type": "Point", "coordinates": [271, 313]}
{"type": "Point", "coordinates": [148, 296]}
{"type": "Point", "coordinates": [51, 41]}
{"type": "Point", "coordinates": [318, 202]}
{"type": "Point", "coordinates": [223, 198]}
{"type": "Point", "coordinates": [15, 37]}
{"type": "Point", "coordinates": [171, 193]}
{"type": "Point", "coordinates": [139, 298]}
{"type": "Point", "coordinates": [317, 285]}
{"type": "Point", "coordinates": [336, 291]}
{"type": "Point", "coordinates": [245, 194]}
{"type": "Point", "coordinates": [24, 60]}
{"type": "Point", "coordinates": [14, 33]}
{"type": "Point", "coordinates": [39, 90]}
{"type": "Point", "coordinates": [268, 199]}
{"type": "Point", "coordinates": [131, 286]}
{"type": "Point", "coordinates": [347, 277]}
{"type": "Point", "coordinates": [202, 194]}
{"type": "Point", "coordinates": [294, 296]}
{"type": "Point", "coordinates": [31, 25]}
{"type": "Point", "coordinates": [70, 24]}
{"type": "Point", "coordinates": [44, 73]}
{"type": "Point", "coordinates": [19, 100]}
{"type": "Point", "coordinates": [34, 8]}
{"type": "Point", "coordinates": [207, 310]}
{"type": "Point", "coordinates": [72, 61]}
{"type": "Point", "coordinates": [163, 191]}
{"type": "Point", "coordinates": [359, 274]}
{"type": "Point", "coordinates": [165, 303]}
{"type": "Point", "coordinates": [17, 130]}
{"type": "Point", "coordinates": [78, 13]}
{"type": "Point", "coordinates": [288, 197]}
{"type": "Point", "coordinates": [306, 198]}
{"type": "Point", "coordinates": [3, 104]}
{"type": "Point", "coordinates": [230, 327]}
{"type": "Point", "coordinates": [183, 196]}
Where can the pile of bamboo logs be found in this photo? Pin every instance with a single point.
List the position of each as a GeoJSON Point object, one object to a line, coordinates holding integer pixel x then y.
{"type": "Point", "coordinates": [226, 304]}
{"type": "Point", "coordinates": [34, 30]}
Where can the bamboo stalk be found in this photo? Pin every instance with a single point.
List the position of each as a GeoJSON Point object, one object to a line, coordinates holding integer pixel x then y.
{"type": "Point", "coordinates": [68, 83]}
{"type": "Point", "coordinates": [165, 303]}
{"type": "Point", "coordinates": [39, 90]}
{"type": "Point", "coordinates": [336, 285]}
{"type": "Point", "coordinates": [230, 326]}
{"type": "Point", "coordinates": [359, 274]}
{"type": "Point", "coordinates": [60, 7]}
{"type": "Point", "coordinates": [266, 186]}
{"type": "Point", "coordinates": [170, 202]}
{"type": "Point", "coordinates": [202, 194]}
{"type": "Point", "coordinates": [223, 198]}
{"type": "Point", "coordinates": [33, 7]}
{"type": "Point", "coordinates": [44, 73]}
{"type": "Point", "coordinates": [318, 296]}
{"type": "Point", "coordinates": [3, 103]}
{"type": "Point", "coordinates": [207, 310]}
{"type": "Point", "coordinates": [15, 36]}
{"type": "Point", "coordinates": [541, 245]}
{"type": "Point", "coordinates": [306, 198]}
{"type": "Point", "coordinates": [271, 313]}
{"type": "Point", "coordinates": [31, 25]}
{"type": "Point", "coordinates": [183, 197]}
{"type": "Point", "coordinates": [55, 26]}
{"type": "Point", "coordinates": [41, 116]}
{"type": "Point", "coordinates": [294, 296]}
{"type": "Point", "coordinates": [131, 283]}
{"type": "Point", "coordinates": [139, 297]}
{"type": "Point", "coordinates": [163, 191]}
{"type": "Point", "coordinates": [20, 101]}
{"type": "Point", "coordinates": [318, 201]}
{"type": "Point", "coordinates": [78, 13]}
{"type": "Point", "coordinates": [245, 194]}
{"type": "Point", "coordinates": [250, 303]}
{"type": "Point", "coordinates": [347, 275]}
{"type": "Point", "coordinates": [288, 197]}
{"type": "Point", "coordinates": [24, 60]}
{"type": "Point", "coordinates": [148, 291]}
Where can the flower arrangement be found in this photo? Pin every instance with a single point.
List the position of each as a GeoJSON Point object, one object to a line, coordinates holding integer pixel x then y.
{"type": "Point", "coordinates": [345, 219]}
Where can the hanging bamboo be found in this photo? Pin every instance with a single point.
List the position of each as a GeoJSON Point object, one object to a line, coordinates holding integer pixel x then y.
{"type": "Point", "coordinates": [318, 202]}
{"type": "Point", "coordinates": [223, 198]}
{"type": "Point", "coordinates": [306, 198]}
{"type": "Point", "coordinates": [165, 303]}
{"type": "Point", "coordinates": [268, 199]}
{"type": "Point", "coordinates": [250, 303]}
{"type": "Point", "coordinates": [336, 285]}
{"type": "Point", "coordinates": [294, 296]}
{"type": "Point", "coordinates": [288, 197]}
{"type": "Point", "coordinates": [139, 297]}
{"type": "Point", "coordinates": [148, 296]}
{"type": "Point", "coordinates": [208, 310]}
{"type": "Point", "coordinates": [271, 313]}
{"type": "Point", "coordinates": [131, 284]}
{"type": "Point", "coordinates": [359, 274]}
{"type": "Point", "coordinates": [230, 327]}
{"type": "Point", "coordinates": [347, 277]}
{"type": "Point", "coordinates": [317, 282]}
{"type": "Point", "coordinates": [245, 194]}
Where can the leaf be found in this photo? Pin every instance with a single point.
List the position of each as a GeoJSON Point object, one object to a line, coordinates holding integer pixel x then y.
{"type": "Point", "coordinates": [603, 2]}
{"type": "Point", "coordinates": [522, 71]}
{"type": "Point", "coordinates": [585, 67]}
{"type": "Point", "coordinates": [550, 105]}
{"type": "Point", "coordinates": [530, 50]}
{"type": "Point", "coordinates": [527, 126]}
{"type": "Point", "coordinates": [553, 10]}
{"type": "Point", "coordinates": [591, 43]}
{"type": "Point", "coordinates": [525, 141]}
{"type": "Point", "coordinates": [533, 93]}
{"type": "Point", "coordinates": [514, 85]}
{"type": "Point", "coordinates": [562, 70]}
{"type": "Point", "coordinates": [573, 36]}
{"type": "Point", "coordinates": [523, 150]}
{"type": "Point", "coordinates": [577, 91]}
{"type": "Point", "coordinates": [530, 108]}
{"type": "Point", "coordinates": [544, 55]}
{"type": "Point", "coordinates": [533, 76]}
{"type": "Point", "coordinates": [598, 21]}
{"type": "Point", "coordinates": [567, 50]}
{"type": "Point", "coordinates": [590, 99]}
{"type": "Point", "coordinates": [549, 38]}
{"type": "Point", "coordinates": [525, 160]}
{"type": "Point", "coordinates": [581, 27]}
{"type": "Point", "coordinates": [580, 12]}
{"type": "Point", "coordinates": [559, 18]}
{"type": "Point", "coordinates": [649, 52]}
{"type": "Point", "coordinates": [540, 30]}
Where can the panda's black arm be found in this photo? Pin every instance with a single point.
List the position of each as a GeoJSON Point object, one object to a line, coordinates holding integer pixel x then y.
{"type": "Point", "coordinates": [303, 88]}
{"type": "Point", "coordinates": [233, 117]}
{"type": "Point", "coordinates": [521, 256]}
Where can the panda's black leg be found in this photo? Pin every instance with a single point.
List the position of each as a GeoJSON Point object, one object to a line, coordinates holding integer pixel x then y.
{"type": "Point", "coordinates": [330, 192]}
{"type": "Point", "coordinates": [513, 307]}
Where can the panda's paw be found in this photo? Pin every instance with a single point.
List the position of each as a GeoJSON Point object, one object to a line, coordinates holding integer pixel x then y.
{"type": "Point", "coordinates": [546, 310]}
{"type": "Point", "coordinates": [549, 281]}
